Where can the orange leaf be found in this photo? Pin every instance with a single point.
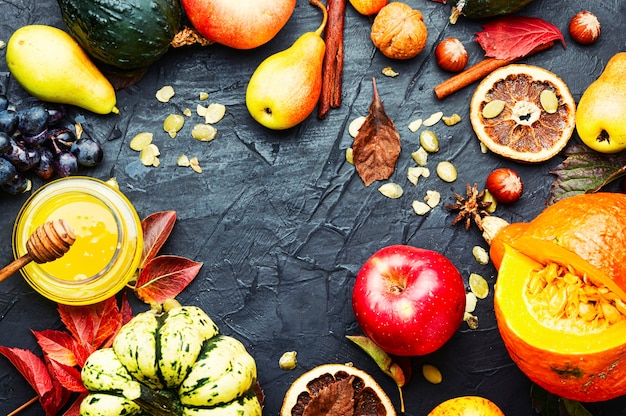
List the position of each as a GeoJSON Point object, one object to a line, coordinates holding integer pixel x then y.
{"type": "Point", "coordinates": [156, 229]}
{"type": "Point", "coordinates": [165, 277]}
{"type": "Point", "coordinates": [513, 37]}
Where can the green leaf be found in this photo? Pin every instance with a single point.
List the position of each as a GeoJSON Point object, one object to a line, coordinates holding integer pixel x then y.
{"type": "Point", "coordinates": [585, 170]}
{"type": "Point", "coordinates": [548, 404]}
{"type": "Point", "coordinates": [574, 408]}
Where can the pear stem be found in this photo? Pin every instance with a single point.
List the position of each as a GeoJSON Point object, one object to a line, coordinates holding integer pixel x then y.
{"type": "Point", "coordinates": [320, 29]}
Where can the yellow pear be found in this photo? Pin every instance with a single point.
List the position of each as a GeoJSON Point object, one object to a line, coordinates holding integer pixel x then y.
{"type": "Point", "coordinates": [285, 87]}
{"type": "Point", "coordinates": [601, 112]}
{"type": "Point", "coordinates": [50, 65]}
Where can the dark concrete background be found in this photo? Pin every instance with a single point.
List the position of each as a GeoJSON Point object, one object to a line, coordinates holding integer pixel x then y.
{"type": "Point", "coordinates": [282, 223]}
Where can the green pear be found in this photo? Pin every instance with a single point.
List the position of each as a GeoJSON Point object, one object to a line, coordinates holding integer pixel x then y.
{"type": "Point", "coordinates": [284, 89]}
{"type": "Point", "coordinates": [601, 112]}
{"type": "Point", "coordinates": [50, 65]}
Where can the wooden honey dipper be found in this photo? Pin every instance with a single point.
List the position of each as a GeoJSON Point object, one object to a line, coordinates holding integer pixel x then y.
{"type": "Point", "coordinates": [48, 242]}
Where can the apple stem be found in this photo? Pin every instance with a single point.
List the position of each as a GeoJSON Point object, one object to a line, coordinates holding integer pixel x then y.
{"type": "Point", "coordinates": [324, 19]}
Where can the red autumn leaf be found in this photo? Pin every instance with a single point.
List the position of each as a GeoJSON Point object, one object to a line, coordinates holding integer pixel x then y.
{"type": "Point", "coordinates": [376, 147]}
{"type": "Point", "coordinates": [125, 310]}
{"type": "Point", "coordinates": [68, 376]}
{"type": "Point", "coordinates": [74, 409]}
{"type": "Point", "coordinates": [92, 325]}
{"type": "Point", "coordinates": [57, 346]}
{"type": "Point", "coordinates": [165, 277]}
{"type": "Point", "coordinates": [55, 399]}
{"type": "Point", "coordinates": [31, 367]}
{"type": "Point", "coordinates": [513, 37]}
{"type": "Point", "coordinates": [52, 396]}
{"type": "Point", "coordinates": [156, 229]}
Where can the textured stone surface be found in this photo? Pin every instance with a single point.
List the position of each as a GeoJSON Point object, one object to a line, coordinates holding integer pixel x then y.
{"type": "Point", "coordinates": [282, 223]}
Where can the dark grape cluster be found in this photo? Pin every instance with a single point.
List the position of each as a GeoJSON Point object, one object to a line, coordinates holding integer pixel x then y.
{"type": "Point", "coordinates": [40, 139]}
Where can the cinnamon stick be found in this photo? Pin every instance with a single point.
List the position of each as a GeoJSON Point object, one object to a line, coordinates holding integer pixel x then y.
{"type": "Point", "coordinates": [477, 72]}
{"type": "Point", "coordinates": [333, 58]}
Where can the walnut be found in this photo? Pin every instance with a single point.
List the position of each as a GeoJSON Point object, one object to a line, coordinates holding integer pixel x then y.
{"type": "Point", "coordinates": [399, 31]}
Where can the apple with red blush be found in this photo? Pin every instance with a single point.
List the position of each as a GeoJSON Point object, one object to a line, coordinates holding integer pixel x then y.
{"type": "Point", "coordinates": [241, 24]}
{"type": "Point", "coordinates": [408, 300]}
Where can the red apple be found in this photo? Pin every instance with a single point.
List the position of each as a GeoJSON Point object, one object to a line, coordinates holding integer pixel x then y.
{"type": "Point", "coordinates": [241, 24]}
{"type": "Point", "coordinates": [409, 300]}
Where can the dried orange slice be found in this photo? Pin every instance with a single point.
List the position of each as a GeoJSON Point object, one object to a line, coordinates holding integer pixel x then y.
{"type": "Point", "coordinates": [523, 112]}
{"type": "Point", "coordinates": [336, 389]}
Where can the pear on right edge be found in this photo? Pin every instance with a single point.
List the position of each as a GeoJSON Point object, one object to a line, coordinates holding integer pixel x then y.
{"type": "Point", "coordinates": [601, 111]}
{"type": "Point", "coordinates": [285, 88]}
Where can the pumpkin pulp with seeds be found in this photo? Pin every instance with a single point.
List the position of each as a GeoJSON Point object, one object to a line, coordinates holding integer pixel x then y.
{"type": "Point", "coordinates": [560, 296]}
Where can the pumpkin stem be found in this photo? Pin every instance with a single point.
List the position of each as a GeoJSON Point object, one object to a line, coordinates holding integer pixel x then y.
{"type": "Point", "coordinates": [156, 403]}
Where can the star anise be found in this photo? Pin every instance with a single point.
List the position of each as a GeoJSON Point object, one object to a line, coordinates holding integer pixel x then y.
{"type": "Point", "coordinates": [470, 207]}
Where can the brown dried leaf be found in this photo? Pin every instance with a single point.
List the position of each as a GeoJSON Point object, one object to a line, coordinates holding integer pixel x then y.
{"type": "Point", "coordinates": [376, 147]}
{"type": "Point", "coordinates": [335, 399]}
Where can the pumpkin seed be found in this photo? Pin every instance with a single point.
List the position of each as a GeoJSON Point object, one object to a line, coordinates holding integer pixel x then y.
{"type": "Point", "coordinates": [420, 156]}
{"type": "Point", "coordinates": [350, 155]}
{"type": "Point", "coordinates": [183, 161]}
{"type": "Point", "coordinates": [488, 197]}
{"type": "Point", "coordinates": [429, 141]}
{"type": "Point", "coordinates": [565, 295]}
{"type": "Point", "coordinates": [549, 101]}
{"type": "Point", "coordinates": [451, 120]}
{"type": "Point", "coordinates": [389, 72]}
{"type": "Point", "coordinates": [470, 302]}
{"type": "Point", "coordinates": [432, 198]}
{"type": "Point", "coordinates": [609, 312]}
{"type": "Point", "coordinates": [480, 254]}
{"type": "Point", "coordinates": [288, 361]}
{"type": "Point", "coordinates": [414, 173]}
{"type": "Point", "coordinates": [173, 123]}
{"type": "Point", "coordinates": [432, 374]}
{"type": "Point", "coordinates": [493, 108]}
{"type": "Point", "coordinates": [478, 285]}
{"type": "Point", "coordinates": [420, 208]}
{"type": "Point", "coordinates": [195, 165]}
{"type": "Point", "coordinates": [391, 190]}
{"type": "Point", "coordinates": [204, 132]}
{"type": "Point", "coordinates": [433, 119]}
{"type": "Point", "coordinates": [556, 305]}
{"type": "Point", "coordinates": [149, 155]}
{"type": "Point", "coordinates": [471, 320]}
{"type": "Point", "coordinates": [164, 94]}
{"type": "Point", "coordinates": [446, 171]}
{"type": "Point", "coordinates": [140, 141]}
{"type": "Point", "coordinates": [214, 113]}
{"type": "Point", "coordinates": [415, 125]}
{"type": "Point", "coordinates": [355, 125]}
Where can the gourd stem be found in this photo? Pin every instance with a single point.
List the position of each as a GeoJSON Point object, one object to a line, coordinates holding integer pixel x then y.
{"type": "Point", "coordinates": [157, 404]}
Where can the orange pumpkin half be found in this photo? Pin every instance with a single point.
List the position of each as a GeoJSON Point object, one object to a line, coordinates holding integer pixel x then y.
{"type": "Point", "coordinates": [560, 297]}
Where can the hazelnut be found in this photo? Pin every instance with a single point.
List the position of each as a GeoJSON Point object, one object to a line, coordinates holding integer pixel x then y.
{"type": "Point", "coordinates": [451, 55]}
{"type": "Point", "coordinates": [399, 31]}
{"type": "Point", "coordinates": [584, 27]}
